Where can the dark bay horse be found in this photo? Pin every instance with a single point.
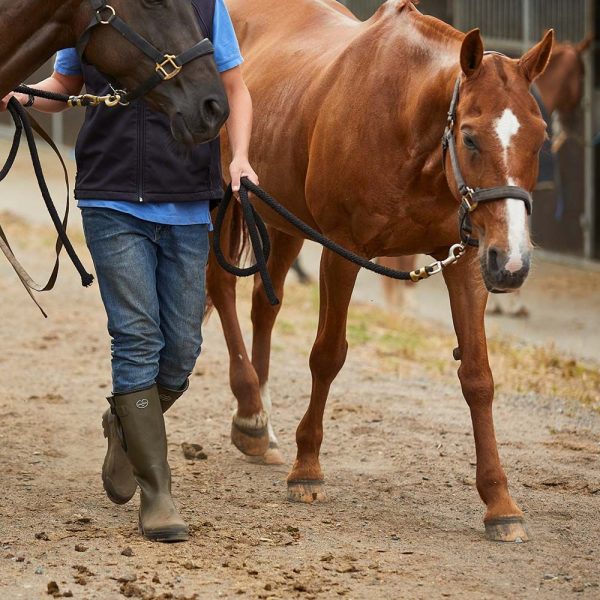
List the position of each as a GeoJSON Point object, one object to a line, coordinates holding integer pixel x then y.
{"type": "Point", "coordinates": [195, 100]}
{"type": "Point", "coordinates": [348, 129]}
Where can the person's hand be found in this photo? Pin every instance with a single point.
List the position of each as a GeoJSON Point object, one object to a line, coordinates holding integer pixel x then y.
{"type": "Point", "coordinates": [240, 167]}
{"type": "Point", "coordinates": [22, 98]}
{"type": "Point", "coordinates": [4, 102]}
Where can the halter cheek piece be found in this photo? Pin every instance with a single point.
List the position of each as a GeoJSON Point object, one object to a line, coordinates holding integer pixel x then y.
{"type": "Point", "coordinates": [471, 198]}
{"type": "Point", "coordinates": [167, 66]}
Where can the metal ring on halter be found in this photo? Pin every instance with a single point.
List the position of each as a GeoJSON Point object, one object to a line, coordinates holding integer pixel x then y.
{"type": "Point", "coordinates": [120, 94]}
{"type": "Point", "coordinates": [110, 18]}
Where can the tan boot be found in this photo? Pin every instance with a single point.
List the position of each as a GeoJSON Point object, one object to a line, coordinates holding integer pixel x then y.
{"type": "Point", "coordinates": [145, 442]}
{"type": "Point", "coordinates": [117, 474]}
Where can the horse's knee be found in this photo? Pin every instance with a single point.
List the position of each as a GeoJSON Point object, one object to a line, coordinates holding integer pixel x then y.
{"type": "Point", "coordinates": [477, 385]}
{"type": "Point", "coordinates": [327, 359]}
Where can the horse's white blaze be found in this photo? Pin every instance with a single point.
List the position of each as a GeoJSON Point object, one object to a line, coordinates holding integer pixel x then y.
{"type": "Point", "coordinates": [265, 396]}
{"type": "Point", "coordinates": [516, 216]}
{"type": "Point", "coordinates": [507, 126]}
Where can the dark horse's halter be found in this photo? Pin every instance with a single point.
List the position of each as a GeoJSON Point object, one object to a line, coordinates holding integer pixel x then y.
{"type": "Point", "coordinates": [471, 198]}
{"type": "Point", "coordinates": [167, 66]}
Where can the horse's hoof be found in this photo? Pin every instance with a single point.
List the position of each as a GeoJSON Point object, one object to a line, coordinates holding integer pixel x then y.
{"type": "Point", "coordinates": [250, 435]}
{"type": "Point", "coordinates": [306, 491]}
{"type": "Point", "coordinates": [506, 529]}
{"type": "Point", "coordinates": [271, 457]}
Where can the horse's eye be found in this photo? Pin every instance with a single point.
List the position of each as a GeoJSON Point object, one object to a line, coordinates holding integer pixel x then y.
{"type": "Point", "coordinates": [469, 142]}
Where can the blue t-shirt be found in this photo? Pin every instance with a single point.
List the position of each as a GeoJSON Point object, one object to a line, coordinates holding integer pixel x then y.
{"type": "Point", "coordinates": [227, 56]}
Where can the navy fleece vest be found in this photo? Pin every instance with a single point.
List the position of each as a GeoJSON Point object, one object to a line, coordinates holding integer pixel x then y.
{"type": "Point", "coordinates": [128, 153]}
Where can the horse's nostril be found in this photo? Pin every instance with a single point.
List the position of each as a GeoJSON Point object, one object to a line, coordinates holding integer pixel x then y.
{"type": "Point", "coordinates": [212, 110]}
{"type": "Point", "coordinates": [493, 255]}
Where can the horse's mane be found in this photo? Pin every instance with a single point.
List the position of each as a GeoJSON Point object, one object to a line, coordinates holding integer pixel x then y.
{"type": "Point", "coordinates": [427, 25]}
{"type": "Point", "coordinates": [431, 25]}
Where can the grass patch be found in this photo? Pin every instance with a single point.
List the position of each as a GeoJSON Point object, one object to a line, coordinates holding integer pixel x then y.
{"type": "Point", "coordinates": [409, 347]}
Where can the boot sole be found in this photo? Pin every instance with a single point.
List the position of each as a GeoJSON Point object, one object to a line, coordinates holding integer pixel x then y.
{"type": "Point", "coordinates": [165, 535]}
{"type": "Point", "coordinates": [112, 497]}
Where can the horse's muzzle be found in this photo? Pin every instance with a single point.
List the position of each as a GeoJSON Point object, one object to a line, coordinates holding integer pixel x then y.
{"type": "Point", "coordinates": [499, 272]}
{"type": "Point", "coordinates": [203, 126]}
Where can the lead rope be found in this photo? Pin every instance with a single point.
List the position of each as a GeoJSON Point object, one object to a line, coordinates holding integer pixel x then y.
{"type": "Point", "coordinates": [24, 123]}
{"type": "Point", "coordinates": [261, 247]}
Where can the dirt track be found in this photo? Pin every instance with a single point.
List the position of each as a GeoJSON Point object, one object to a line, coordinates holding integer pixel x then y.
{"type": "Point", "coordinates": [403, 518]}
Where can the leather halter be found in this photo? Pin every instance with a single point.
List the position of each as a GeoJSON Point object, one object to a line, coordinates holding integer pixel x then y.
{"type": "Point", "coordinates": [167, 66]}
{"type": "Point", "coordinates": [472, 197]}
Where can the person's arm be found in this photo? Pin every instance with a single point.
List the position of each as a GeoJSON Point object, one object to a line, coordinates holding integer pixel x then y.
{"type": "Point", "coordinates": [70, 85]}
{"type": "Point", "coordinates": [239, 126]}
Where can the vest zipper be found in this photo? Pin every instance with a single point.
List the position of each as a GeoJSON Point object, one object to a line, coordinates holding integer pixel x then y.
{"type": "Point", "coordinates": [141, 146]}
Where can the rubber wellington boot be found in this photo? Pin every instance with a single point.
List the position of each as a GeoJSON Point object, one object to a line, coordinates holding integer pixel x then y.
{"type": "Point", "coordinates": [145, 442]}
{"type": "Point", "coordinates": [117, 474]}
{"type": "Point", "coordinates": [168, 397]}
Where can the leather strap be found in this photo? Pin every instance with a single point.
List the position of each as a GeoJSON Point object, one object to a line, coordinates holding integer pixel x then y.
{"type": "Point", "coordinates": [472, 197]}
{"type": "Point", "coordinates": [27, 281]}
{"type": "Point", "coordinates": [202, 48]}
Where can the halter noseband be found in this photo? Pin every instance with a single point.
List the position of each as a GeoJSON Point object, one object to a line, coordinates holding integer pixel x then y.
{"type": "Point", "coordinates": [471, 198]}
{"type": "Point", "coordinates": [167, 66]}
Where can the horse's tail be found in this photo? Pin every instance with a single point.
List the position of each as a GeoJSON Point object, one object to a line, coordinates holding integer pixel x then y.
{"type": "Point", "coordinates": [235, 242]}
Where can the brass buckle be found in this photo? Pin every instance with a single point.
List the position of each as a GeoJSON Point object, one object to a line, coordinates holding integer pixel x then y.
{"type": "Point", "coordinates": [168, 62]}
{"type": "Point", "coordinates": [467, 199]}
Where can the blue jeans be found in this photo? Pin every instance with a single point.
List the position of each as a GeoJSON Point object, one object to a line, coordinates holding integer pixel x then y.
{"type": "Point", "coordinates": [152, 282]}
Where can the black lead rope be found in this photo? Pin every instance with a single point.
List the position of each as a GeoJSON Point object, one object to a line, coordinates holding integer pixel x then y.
{"type": "Point", "coordinates": [261, 247]}
{"type": "Point", "coordinates": [24, 123]}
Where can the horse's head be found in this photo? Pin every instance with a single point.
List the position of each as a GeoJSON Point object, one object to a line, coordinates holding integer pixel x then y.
{"type": "Point", "coordinates": [195, 99]}
{"type": "Point", "coordinates": [564, 76]}
{"type": "Point", "coordinates": [499, 132]}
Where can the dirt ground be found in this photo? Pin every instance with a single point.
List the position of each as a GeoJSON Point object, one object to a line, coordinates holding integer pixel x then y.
{"type": "Point", "coordinates": [403, 518]}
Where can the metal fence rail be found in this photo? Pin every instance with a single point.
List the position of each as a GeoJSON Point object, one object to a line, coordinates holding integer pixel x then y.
{"type": "Point", "coordinates": [514, 24]}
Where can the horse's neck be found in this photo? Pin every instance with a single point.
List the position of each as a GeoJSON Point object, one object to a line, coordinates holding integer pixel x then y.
{"type": "Point", "coordinates": [410, 72]}
{"type": "Point", "coordinates": [30, 32]}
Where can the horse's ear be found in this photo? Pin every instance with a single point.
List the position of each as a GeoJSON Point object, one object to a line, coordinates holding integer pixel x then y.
{"type": "Point", "coordinates": [471, 53]}
{"type": "Point", "coordinates": [534, 62]}
{"type": "Point", "coordinates": [585, 44]}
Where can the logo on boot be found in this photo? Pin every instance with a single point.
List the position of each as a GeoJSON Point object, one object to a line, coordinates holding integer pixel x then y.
{"type": "Point", "coordinates": [143, 403]}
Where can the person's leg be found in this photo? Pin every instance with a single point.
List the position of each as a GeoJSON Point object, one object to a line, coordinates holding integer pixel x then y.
{"type": "Point", "coordinates": [116, 242]}
{"type": "Point", "coordinates": [124, 251]}
{"type": "Point", "coordinates": [180, 275]}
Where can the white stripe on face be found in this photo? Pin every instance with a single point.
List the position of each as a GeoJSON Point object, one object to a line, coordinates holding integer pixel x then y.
{"type": "Point", "coordinates": [507, 127]}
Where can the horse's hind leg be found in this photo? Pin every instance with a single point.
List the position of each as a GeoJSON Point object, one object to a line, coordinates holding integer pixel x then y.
{"type": "Point", "coordinates": [338, 276]}
{"type": "Point", "coordinates": [395, 291]}
{"type": "Point", "coordinates": [284, 251]}
{"type": "Point", "coordinates": [503, 519]}
{"type": "Point", "coordinates": [249, 431]}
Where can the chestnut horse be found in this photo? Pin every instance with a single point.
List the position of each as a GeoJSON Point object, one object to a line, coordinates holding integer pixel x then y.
{"type": "Point", "coordinates": [561, 90]}
{"type": "Point", "coordinates": [348, 129]}
{"type": "Point", "coordinates": [31, 31]}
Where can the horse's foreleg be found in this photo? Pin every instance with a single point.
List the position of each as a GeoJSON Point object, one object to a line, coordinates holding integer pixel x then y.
{"type": "Point", "coordinates": [503, 519]}
{"type": "Point", "coordinates": [284, 251]}
{"type": "Point", "coordinates": [337, 279]}
{"type": "Point", "coordinates": [249, 431]}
